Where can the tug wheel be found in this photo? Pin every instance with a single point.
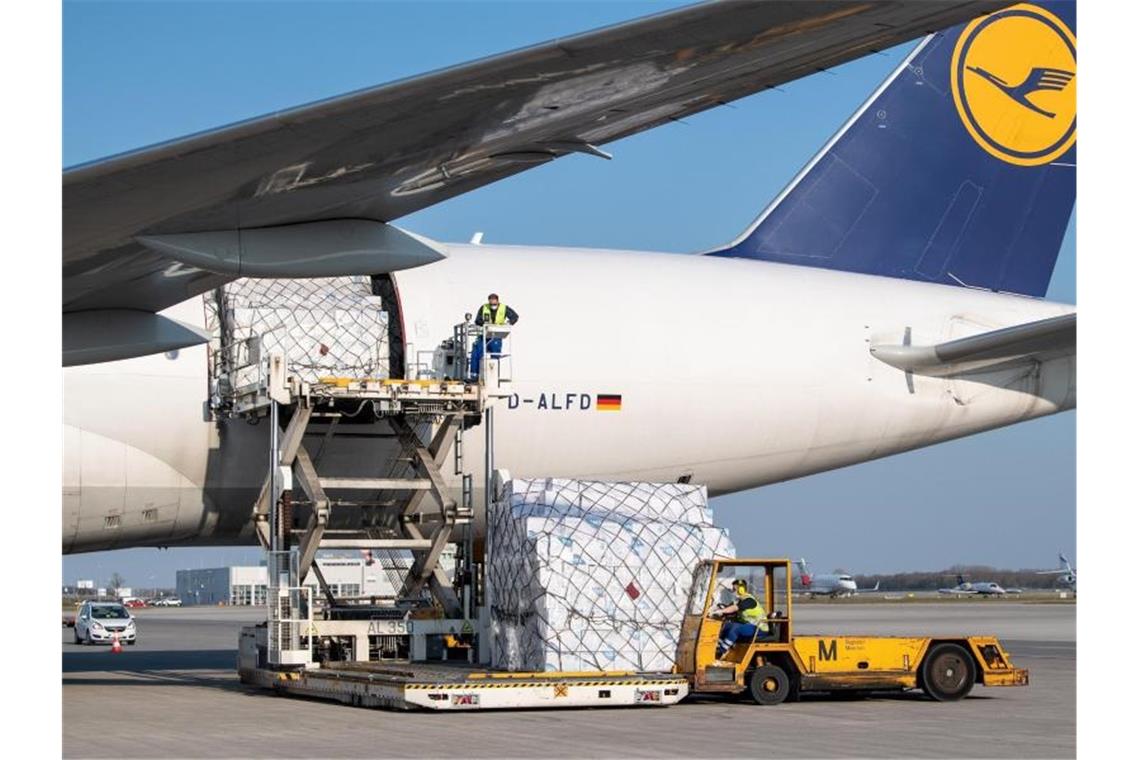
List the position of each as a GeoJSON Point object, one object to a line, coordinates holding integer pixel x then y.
{"type": "Point", "coordinates": [769, 685]}
{"type": "Point", "coordinates": [948, 673]}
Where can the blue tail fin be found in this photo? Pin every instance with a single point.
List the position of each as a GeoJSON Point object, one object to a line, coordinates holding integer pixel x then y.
{"type": "Point", "coordinates": [960, 169]}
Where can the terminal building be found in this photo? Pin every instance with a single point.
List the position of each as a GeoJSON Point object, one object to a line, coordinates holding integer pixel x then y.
{"type": "Point", "coordinates": [346, 576]}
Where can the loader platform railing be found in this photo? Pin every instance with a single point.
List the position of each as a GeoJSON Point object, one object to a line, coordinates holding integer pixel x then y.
{"type": "Point", "coordinates": [244, 377]}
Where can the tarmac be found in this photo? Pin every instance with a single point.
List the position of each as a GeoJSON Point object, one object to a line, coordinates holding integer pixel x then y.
{"type": "Point", "coordinates": [176, 694]}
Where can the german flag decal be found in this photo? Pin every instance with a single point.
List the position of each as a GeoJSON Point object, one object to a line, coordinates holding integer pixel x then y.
{"type": "Point", "coordinates": [609, 402]}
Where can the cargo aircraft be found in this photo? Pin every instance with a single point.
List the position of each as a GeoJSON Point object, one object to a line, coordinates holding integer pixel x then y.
{"type": "Point", "coordinates": [889, 298]}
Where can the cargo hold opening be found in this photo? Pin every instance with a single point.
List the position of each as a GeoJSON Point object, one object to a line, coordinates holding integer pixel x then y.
{"type": "Point", "coordinates": [384, 286]}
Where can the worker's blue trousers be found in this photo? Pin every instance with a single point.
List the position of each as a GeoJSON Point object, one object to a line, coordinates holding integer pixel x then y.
{"type": "Point", "coordinates": [732, 630]}
{"type": "Point", "coordinates": [496, 346]}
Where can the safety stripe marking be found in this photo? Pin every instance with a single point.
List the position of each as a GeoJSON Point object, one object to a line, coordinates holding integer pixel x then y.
{"type": "Point", "coordinates": [468, 687]}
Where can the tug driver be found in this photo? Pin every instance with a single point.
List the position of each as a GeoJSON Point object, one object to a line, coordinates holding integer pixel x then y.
{"type": "Point", "coordinates": [748, 618]}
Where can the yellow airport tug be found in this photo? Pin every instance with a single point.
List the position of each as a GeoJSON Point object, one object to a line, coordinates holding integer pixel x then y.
{"type": "Point", "coordinates": [776, 665]}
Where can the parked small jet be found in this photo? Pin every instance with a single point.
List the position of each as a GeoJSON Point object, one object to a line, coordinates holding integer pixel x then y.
{"type": "Point", "coordinates": [981, 588]}
{"type": "Point", "coordinates": [833, 585]}
{"type": "Point", "coordinates": [1066, 574]}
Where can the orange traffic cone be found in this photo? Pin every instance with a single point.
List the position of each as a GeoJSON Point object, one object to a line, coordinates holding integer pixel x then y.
{"type": "Point", "coordinates": [116, 645]}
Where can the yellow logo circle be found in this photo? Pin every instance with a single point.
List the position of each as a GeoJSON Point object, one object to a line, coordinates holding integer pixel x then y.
{"type": "Point", "coordinates": [1013, 76]}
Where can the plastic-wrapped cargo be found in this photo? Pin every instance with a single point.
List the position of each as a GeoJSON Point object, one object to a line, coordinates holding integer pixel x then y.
{"type": "Point", "coordinates": [588, 575]}
{"type": "Point", "coordinates": [326, 326]}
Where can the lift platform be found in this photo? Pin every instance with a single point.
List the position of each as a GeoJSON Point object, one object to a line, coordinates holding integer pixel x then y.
{"type": "Point", "coordinates": [454, 686]}
{"type": "Point", "coordinates": [358, 651]}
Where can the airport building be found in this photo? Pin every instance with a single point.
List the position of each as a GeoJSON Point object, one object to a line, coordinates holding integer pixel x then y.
{"type": "Point", "coordinates": [346, 576]}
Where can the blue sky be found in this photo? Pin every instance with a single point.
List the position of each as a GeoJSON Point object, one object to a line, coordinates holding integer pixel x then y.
{"type": "Point", "coordinates": [139, 73]}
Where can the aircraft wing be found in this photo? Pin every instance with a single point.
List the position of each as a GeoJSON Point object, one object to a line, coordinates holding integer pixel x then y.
{"type": "Point", "coordinates": [1044, 338]}
{"type": "Point", "coordinates": [308, 192]}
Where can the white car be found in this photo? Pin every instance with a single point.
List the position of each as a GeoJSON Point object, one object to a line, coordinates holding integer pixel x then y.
{"type": "Point", "coordinates": [170, 601]}
{"type": "Point", "coordinates": [99, 622]}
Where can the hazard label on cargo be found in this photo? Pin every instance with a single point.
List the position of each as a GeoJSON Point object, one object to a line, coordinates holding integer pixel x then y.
{"type": "Point", "coordinates": [648, 695]}
{"type": "Point", "coordinates": [561, 690]}
{"type": "Point", "coordinates": [467, 627]}
{"type": "Point", "coordinates": [464, 700]}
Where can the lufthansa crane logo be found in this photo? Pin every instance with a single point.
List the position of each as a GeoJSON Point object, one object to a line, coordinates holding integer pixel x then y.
{"type": "Point", "coordinates": [1013, 76]}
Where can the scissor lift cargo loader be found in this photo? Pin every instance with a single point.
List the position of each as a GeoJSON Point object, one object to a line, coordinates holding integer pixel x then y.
{"type": "Point", "coordinates": [426, 417]}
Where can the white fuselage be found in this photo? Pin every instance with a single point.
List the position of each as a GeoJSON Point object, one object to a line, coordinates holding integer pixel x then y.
{"type": "Point", "coordinates": [832, 585]}
{"type": "Point", "coordinates": [983, 588]}
{"type": "Point", "coordinates": [733, 373]}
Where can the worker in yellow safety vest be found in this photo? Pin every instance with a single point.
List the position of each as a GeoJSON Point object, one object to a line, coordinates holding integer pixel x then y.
{"type": "Point", "coordinates": [490, 313]}
{"type": "Point", "coordinates": [748, 619]}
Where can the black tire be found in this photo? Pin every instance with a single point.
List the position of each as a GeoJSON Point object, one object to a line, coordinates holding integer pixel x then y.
{"type": "Point", "coordinates": [131, 643]}
{"type": "Point", "coordinates": [769, 685]}
{"type": "Point", "coordinates": [948, 673]}
{"type": "Point", "coordinates": [75, 635]}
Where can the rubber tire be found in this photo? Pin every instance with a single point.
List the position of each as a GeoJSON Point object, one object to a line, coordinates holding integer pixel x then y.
{"type": "Point", "coordinates": [769, 685]}
{"type": "Point", "coordinates": [75, 635]}
{"type": "Point", "coordinates": [948, 673]}
{"type": "Point", "coordinates": [131, 643]}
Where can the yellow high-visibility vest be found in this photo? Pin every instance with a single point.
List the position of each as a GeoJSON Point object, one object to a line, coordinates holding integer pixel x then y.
{"type": "Point", "coordinates": [753, 615]}
{"type": "Point", "coordinates": [500, 314]}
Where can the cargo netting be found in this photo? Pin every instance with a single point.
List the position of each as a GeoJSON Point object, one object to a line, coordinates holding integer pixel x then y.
{"type": "Point", "coordinates": [327, 326]}
{"type": "Point", "coordinates": [594, 576]}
